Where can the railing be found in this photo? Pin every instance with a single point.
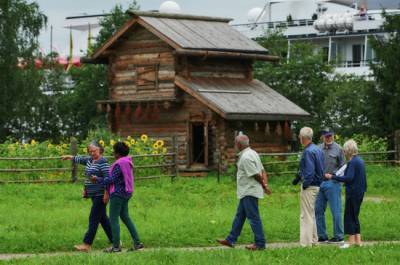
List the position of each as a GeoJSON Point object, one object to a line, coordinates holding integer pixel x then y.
{"type": "Point", "coordinates": [287, 163]}
{"type": "Point", "coordinates": [164, 164]}
{"type": "Point", "coordinates": [348, 64]}
{"type": "Point", "coordinates": [168, 162]}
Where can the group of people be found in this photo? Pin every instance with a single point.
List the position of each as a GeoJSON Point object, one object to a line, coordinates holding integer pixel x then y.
{"type": "Point", "coordinates": [322, 169]}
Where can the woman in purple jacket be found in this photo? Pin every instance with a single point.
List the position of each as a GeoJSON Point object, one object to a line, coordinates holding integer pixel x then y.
{"type": "Point", "coordinates": [120, 185]}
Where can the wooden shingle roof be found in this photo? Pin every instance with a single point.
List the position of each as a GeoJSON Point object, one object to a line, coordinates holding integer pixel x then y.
{"type": "Point", "coordinates": [189, 35]}
{"type": "Point", "coordinates": [240, 99]}
{"type": "Point", "coordinates": [200, 33]}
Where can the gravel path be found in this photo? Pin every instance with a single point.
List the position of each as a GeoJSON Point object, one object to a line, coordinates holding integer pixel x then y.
{"type": "Point", "coordinates": [10, 256]}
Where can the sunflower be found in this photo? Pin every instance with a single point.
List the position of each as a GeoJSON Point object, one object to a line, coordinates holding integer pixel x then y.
{"type": "Point", "coordinates": [49, 146]}
{"type": "Point", "coordinates": [155, 145]}
{"type": "Point", "coordinates": [112, 142]}
{"type": "Point", "coordinates": [132, 141]}
{"type": "Point", "coordinates": [160, 143]}
{"type": "Point", "coordinates": [155, 152]}
{"type": "Point", "coordinates": [144, 138]}
{"type": "Point", "coordinates": [101, 142]}
{"type": "Point", "coordinates": [33, 142]}
{"type": "Point", "coordinates": [127, 143]}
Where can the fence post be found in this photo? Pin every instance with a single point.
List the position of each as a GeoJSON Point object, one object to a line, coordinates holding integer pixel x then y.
{"type": "Point", "coordinates": [217, 153]}
{"type": "Point", "coordinates": [175, 151]}
{"type": "Point", "coordinates": [74, 152]}
{"type": "Point", "coordinates": [397, 145]}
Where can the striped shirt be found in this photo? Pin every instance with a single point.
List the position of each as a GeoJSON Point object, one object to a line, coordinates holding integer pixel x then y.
{"type": "Point", "coordinates": [99, 168]}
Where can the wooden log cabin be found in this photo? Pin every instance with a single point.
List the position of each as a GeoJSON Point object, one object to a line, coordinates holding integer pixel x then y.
{"type": "Point", "coordinates": [191, 77]}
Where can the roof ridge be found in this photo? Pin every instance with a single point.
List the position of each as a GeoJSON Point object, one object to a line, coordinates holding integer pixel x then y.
{"type": "Point", "coordinates": [136, 13]}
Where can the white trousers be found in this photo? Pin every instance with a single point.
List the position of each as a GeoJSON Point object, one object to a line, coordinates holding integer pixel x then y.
{"type": "Point", "coordinates": [308, 225]}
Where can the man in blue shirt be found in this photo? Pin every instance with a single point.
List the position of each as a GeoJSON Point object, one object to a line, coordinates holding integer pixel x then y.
{"type": "Point", "coordinates": [311, 172]}
{"type": "Point", "coordinates": [330, 190]}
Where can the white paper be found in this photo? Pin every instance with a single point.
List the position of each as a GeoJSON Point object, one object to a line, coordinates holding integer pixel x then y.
{"type": "Point", "coordinates": [341, 170]}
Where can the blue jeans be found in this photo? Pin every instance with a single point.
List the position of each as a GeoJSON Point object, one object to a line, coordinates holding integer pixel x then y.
{"type": "Point", "coordinates": [98, 215]}
{"type": "Point", "coordinates": [248, 208]}
{"type": "Point", "coordinates": [330, 191]}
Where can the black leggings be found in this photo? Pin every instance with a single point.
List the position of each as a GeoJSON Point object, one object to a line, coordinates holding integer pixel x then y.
{"type": "Point", "coordinates": [351, 213]}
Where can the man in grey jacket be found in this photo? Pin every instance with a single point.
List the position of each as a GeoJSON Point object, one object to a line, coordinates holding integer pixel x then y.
{"type": "Point", "coordinates": [330, 190]}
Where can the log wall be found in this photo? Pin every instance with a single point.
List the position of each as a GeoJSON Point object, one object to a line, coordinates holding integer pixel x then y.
{"type": "Point", "coordinates": [141, 67]}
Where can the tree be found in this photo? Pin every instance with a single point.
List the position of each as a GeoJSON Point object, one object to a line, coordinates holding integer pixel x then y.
{"type": "Point", "coordinates": [304, 78]}
{"type": "Point", "coordinates": [20, 25]}
{"type": "Point", "coordinates": [333, 100]}
{"type": "Point", "coordinates": [385, 96]}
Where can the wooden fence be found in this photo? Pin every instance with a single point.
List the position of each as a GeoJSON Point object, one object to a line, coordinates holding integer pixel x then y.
{"type": "Point", "coordinates": [283, 164]}
{"type": "Point", "coordinates": [168, 165]}
{"type": "Point", "coordinates": [283, 160]}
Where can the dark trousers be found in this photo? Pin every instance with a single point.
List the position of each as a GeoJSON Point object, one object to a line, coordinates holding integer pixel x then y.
{"type": "Point", "coordinates": [248, 208]}
{"type": "Point", "coordinates": [98, 215]}
{"type": "Point", "coordinates": [119, 208]}
{"type": "Point", "coordinates": [351, 213]}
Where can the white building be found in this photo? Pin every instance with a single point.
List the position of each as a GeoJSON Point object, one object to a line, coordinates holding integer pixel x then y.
{"type": "Point", "coordinates": [340, 28]}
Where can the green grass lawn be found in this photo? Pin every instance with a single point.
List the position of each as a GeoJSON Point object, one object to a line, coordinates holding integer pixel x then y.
{"type": "Point", "coordinates": [381, 254]}
{"type": "Point", "coordinates": [188, 212]}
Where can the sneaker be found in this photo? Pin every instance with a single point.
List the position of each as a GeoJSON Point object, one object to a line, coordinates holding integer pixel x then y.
{"type": "Point", "coordinates": [335, 240]}
{"type": "Point", "coordinates": [112, 250]}
{"type": "Point", "coordinates": [322, 240]}
{"type": "Point", "coordinates": [137, 246]}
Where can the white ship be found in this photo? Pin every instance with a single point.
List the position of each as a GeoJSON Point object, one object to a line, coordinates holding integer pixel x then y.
{"type": "Point", "coordinates": [340, 28]}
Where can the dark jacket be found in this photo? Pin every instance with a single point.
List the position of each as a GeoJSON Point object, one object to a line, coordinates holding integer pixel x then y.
{"type": "Point", "coordinates": [355, 178]}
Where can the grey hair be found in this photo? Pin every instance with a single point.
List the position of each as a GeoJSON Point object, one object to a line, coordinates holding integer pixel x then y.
{"type": "Point", "coordinates": [350, 147]}
{"type": "Point", "coordinates": [243, 140]}
{"type": "Point", "coordinates": [306, 132]}
{"type": "Point", "coordinates": [96, 144]}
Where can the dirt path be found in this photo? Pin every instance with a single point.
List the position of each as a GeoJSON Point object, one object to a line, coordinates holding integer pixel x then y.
{"type": "Point", "coordinates": [10, 256]}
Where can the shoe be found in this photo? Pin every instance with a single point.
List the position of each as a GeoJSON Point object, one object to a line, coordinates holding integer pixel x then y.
{"type": "Point", "coordinates": [137, 246]}
{"type": "Point", "coordinates": [344, 246]}
{"type": "Point", "coordinates": [225, 243]}
{"type": "Point", "coordinates": [254, 247]}
{"type": "Point", "coordinates": [112, 250]}
{"type": "Point", "coordinates": [322, 240]}
{"type": "Point", "coordinates": [83, 247]}
{"type": "Point", "coordinates": [334, 240]}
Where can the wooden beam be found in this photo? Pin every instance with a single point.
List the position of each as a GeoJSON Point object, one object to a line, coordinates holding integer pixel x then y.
{"type": "Point", "coordinates": [137, 13]}
{"type": "Point", "coordinates": [226, 54]}
{"type": "Point", "coordinates": [113, 38]}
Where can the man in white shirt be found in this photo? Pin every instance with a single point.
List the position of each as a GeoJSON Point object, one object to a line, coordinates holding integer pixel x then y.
{"type": "Point", "coordinates": [252, 182]}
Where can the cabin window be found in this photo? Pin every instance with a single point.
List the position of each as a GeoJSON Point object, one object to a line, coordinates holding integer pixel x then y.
{"type": "Point", "coordinates": [147, 77]}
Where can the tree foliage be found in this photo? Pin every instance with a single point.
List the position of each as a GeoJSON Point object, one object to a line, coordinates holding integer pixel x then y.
{"type": "Point", "coordinates": [63, 104]}
{"type": "Point", "coordinates": [303, 78]}
{"type": "Point", "coordinates": [309, 81]}
{"type": "Point", "coordinates": [20, 25]}
{"type": "Point", "coordinates": [385, 96]}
